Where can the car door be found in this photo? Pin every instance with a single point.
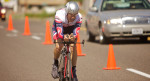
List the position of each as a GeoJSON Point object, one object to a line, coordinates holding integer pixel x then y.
{"type": "Point", "coordinates": [94, 18]}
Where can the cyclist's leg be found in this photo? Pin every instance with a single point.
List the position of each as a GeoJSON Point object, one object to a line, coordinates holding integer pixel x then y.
{"type": "Point", "coordinates": [57, 49]}
{"type": "Point", "coordinates": [56, 56]}
{"type": "Point", "coordinates": [74, 61]}
{"type": "Point", "coordinates": [73, 54]}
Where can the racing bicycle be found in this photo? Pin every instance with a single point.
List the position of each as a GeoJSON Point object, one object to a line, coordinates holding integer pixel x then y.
{"type": "Point", "coordinates": [65, 63]}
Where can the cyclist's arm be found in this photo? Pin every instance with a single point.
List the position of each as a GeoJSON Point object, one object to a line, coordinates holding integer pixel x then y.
{"type": "Point", "coordinates": [77, 25]}
{"type": "Point", "coordinates": [55, 34]}
{"type": "Point", "coordinates": [58, 27]}
{"type": "Point", "coordinates": [77, 28]}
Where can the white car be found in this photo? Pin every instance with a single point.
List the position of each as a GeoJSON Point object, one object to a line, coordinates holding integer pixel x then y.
{"type": "Point", "coordinates": [118, 18]}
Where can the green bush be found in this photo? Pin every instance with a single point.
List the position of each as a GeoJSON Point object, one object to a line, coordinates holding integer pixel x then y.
{"type": "Point", "coordinates": [76, 0]}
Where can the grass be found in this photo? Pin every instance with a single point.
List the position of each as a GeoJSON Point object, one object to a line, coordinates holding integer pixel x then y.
{"type": "Point", "coordinates": [40, 15]}
{"type": "Point", "coordinates": [45, 15]}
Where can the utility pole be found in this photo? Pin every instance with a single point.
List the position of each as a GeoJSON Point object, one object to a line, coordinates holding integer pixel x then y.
{"type": "Point", "coordinates": [26, 5]}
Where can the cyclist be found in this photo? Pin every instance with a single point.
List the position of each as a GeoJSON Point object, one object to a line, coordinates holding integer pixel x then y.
{"type": "Point", "coordinates": [67, 20]}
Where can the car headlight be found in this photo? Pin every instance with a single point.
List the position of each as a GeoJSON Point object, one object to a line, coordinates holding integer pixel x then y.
{"type": "Point", "coordinates": [114, 21]}
{"type": "Point", "coordinates": [3, 11]}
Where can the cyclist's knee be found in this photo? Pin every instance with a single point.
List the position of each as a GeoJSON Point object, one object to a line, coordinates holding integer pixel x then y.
{"type": "Point", "coordinates": [72, 47]}
{"type": "Point", "coordinates": [58, 47]}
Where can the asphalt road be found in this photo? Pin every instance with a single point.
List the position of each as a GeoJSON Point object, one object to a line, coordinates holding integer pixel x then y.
{"type": "Point", "coordinates": [25, 58]}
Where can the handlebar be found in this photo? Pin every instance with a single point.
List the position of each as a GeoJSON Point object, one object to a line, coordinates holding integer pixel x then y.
{"type": "Point", "coordinates": [63, 42]}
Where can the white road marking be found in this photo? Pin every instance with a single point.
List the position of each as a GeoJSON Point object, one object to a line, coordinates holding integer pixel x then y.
{"type": "Point", "coordinates": [38, 34]}
{"type": "Point", "coordinates": [138, 72]}
{"type": "Point", "coordinates": [1, 27]}
{"type": "Point", "coordinates": [36, 37]}
{"type": "Point", "coordinates": [11, 35]}
{"type": "Point", "coordinates": [15, 31]}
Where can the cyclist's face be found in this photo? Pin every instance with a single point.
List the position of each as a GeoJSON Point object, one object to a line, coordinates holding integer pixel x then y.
{"type": "Point", "coordinates": [71, 17]}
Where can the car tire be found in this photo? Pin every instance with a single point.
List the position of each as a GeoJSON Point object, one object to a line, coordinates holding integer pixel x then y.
{"type": "Point", "coordinates": [91, 37]}
{"type": "Point", "coordinates": [103, 39]}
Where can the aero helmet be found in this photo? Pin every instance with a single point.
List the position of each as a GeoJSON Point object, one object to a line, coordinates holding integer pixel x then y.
{"type": "Point", "coordinates": [72, 7]}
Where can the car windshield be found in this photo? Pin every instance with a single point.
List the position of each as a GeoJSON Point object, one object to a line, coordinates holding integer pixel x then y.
{"type": "Point", "coordinates": [125, 4]}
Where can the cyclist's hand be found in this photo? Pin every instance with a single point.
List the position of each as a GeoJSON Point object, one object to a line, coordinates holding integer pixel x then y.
{"type": "Point", "coordinates": [66, 38]}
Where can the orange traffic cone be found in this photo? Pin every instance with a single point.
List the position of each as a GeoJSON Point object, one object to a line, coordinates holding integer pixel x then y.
{"type": "Point", "coordinates": [10, 24]}
{"type": "Point", "coordinates": [111, 63]}
{"type": "Point", "coordinates": [79, 52]}
{"type": "Point", "coordinates": [48, 39]}
{"type": "Point", "coordinates": [26, 28]}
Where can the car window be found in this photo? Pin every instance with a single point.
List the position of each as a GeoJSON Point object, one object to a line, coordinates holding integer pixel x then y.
{"type": "Point", "coordinates": [97, 4]}
{"type": "Point", "coordinates": [125, 4]}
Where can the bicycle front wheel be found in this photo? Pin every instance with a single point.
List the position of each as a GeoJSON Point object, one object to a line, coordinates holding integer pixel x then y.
{"type": "Point", "coordinates": [70, 67]}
